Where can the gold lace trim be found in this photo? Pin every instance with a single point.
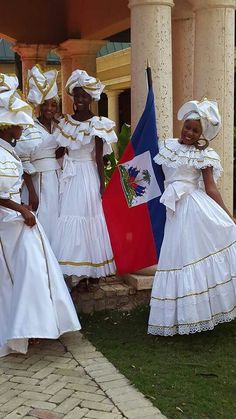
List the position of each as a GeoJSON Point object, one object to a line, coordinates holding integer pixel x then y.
{"type": "Point", "coordinates": [196, 261]}
{"type": "Point", "coordinates": [8, 161]}
{"type": "Point", "coordinates": [9, 176]}
{"type": "Point", "coordinates": [193, 294]}
{"type": "Point", "coordinates": [96, 265]}
{"type": "Point", "coordinates": [87, 121]}
{"type": "Point", "coordinates": [189, 158]}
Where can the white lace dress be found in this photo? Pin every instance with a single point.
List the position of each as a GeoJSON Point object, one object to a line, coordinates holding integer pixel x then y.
{"type": "Point", "coordinates": [81, 241]}
{"type": "Point", "coordinates": [36, 149]}
{"type": "Point", "coordinates": [34, 300]}
{"type": "Point", "coordinates": [194, 287]}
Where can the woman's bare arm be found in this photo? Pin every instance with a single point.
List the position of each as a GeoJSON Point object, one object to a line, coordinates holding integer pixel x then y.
{"type": "Point", "coordinates": [100, 163]}
{"type": "Point", "coordinates": [212, 190]}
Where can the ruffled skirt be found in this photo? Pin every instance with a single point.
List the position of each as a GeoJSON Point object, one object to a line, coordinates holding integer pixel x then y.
{"type": "Point", "coordinates": [81, 242]}
{"type": "Point", "coordinates": [34, 300]}
{"type": "Point", "coordinates": [194, 287]}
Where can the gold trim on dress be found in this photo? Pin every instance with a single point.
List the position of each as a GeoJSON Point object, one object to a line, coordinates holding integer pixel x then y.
{"type": "Point", "coordinates": [46, 261]}
{"type": "Point", "coordinates": [96, 265]}
{"type": "Point", "coordinates": [193, 294]}
{"type": "Point", "coordinates": [4, 257]}
{"type": "Point", "coordinates": [9, 176]}
{"type": "Point", "coordinates": [87, 121]}
{"type": "Point", "coordinates": [174, 152]}
{"type": "Point", "coordinates": [196, 261]}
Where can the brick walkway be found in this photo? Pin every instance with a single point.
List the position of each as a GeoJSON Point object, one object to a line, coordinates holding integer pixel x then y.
{"type": "Point", "coordinates": [68, 379]}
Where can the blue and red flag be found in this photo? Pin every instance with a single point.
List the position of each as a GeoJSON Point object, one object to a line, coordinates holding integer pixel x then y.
{"type": "Point", "coordinates": [131, 202]}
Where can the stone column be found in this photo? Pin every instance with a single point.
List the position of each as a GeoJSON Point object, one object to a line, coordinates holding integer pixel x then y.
{"type": "Point", "coordinates": [66, 70]}
{"type": "Point", "coordinates": [183, 28]}
{"type": "Point", "coordinates": [31, 54]}
{"type": "Point", "coordinates": [214, 75]}
{"type": "Point", "coordinates": [82, 53]}
{"type": "Point", "coordinates": [151, 40]}
{"type": "Point", "coordinates": [113, 106]}
{"type": "Point", "coordinates": [113, 112]}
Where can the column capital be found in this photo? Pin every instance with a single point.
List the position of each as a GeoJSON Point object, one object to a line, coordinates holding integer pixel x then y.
{"type": "Point", "coordinates": [112, 92]}
{"type": "Point", "coordinates": [33, 51]}
{"type": "Point", "coordinates": [81, 46]}
{"type": "Point", "coordinates": [210, 4]}
{"type": "Point", "coordinates": [136, 3]}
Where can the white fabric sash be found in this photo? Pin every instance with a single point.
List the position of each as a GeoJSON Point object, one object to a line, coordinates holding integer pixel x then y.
{"type": "Point", "coordinates": [174, 192]}
{"type": "Point", "coordinates": [45, 160]}
{"type": "Point", "coordinates": [69, 168]}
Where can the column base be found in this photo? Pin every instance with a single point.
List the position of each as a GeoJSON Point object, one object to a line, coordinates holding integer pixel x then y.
{"type": "Point", "coordinates": [140, 280]}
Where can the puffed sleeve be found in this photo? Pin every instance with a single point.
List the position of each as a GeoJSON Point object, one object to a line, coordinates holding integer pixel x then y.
{"type": "Point", "coordinates": [104, 128]}
{"type": "Point", "coordinates": [9, 175]}
{"type": "Point", "coordinates": [30, 140]}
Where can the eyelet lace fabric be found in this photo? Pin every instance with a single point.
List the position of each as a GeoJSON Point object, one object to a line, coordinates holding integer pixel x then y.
{"type": "Point", "coordinates": [173, 154]}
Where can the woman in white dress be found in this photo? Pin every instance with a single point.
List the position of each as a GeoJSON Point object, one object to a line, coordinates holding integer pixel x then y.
{"type": "Point", "coordinates": [81, 241]}
{"type": "Point", "coordinates": [37, 150]}
{"type": "Point", "coordinates": [194, 287]}
{"type": "Point", "coordinates": [34, 300]}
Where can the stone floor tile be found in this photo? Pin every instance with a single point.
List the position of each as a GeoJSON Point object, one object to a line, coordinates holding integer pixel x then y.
{"type": "Point", "coordinates": [67, 405]}
{"type": "Point", "coordinates": [76, 413]}
{"type": "Point", "coordinates": [94, 414]}
{"type": "Point", "coordinates": [45, 414]}
{"type": "Point", "coordinates": [12, 404]}
{"type": "Point", "coordinates": [68, 379]}
{"type": "Point", "coordinates": [18, 413]}
{"type": "Point", "coordinates": [40, 404]}
{"type": "Point", "coordinates": [97, 406]}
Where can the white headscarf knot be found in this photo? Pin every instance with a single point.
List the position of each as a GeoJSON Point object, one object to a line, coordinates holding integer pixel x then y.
{"type": "Point", "coordinates": [91, 85]}
{"type": "Point", "coordinates": [208, 113]}
{"type": "Point", "coordinates": [13, 109]}
{"type": "Point", "coordinates": [42, 85]}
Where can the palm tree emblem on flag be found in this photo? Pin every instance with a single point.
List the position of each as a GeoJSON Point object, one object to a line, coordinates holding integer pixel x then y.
{"type": "Point", "coordinates": [138, 180]}
{"type": "Point", "coordinates": [133, 182]}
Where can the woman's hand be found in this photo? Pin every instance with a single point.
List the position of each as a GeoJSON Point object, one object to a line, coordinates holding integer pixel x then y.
{"type": "Point", "coordinates": [28, 216]}
{"type": "Point", "coordinates": [33, 200]}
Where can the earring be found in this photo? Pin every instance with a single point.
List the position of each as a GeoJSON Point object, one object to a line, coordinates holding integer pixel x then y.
{"type": "Point", "coordinates": [74, 108]}
{"type": "Point", "coordinates": [200, 146]}
{"type": "Point", "coordinates": [13, 142]}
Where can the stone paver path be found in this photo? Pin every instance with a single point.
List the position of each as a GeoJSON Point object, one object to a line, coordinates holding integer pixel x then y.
{"type": "Point", "coordinates": [68, 379]}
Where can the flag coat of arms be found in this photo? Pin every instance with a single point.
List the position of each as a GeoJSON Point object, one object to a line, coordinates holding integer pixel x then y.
{"type": "Point", "coordinates": [131, 202]}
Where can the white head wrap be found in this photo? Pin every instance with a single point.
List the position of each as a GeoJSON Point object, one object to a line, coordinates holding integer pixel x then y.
{"type": "Point", "coordinates": [13, 110]}
{"type": "Point", "coordinates": [80, 78]}
{"type": "Point", "coordinates": [41, 85]}
{"type": "Point", "coordinates": [208, 113]}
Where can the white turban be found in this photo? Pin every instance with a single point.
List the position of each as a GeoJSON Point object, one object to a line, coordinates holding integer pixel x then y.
{"type": "Point", "coordinates": [80, 78]}
{"type": "Point", "coordinates": [41, 85]}
{"type": "Point", "coordinates": [208, 113]}
{"type": "Point", "coordinates": [13, 110]}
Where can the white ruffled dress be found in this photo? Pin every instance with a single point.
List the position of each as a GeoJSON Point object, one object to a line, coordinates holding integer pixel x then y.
{"type": "Point", "coordinates": [194, 287]}
{"type": "Point", "coordinates": [37, 151]}
{"type": "Point", "coordinates": [34, 300]}
{"type": "Point", "coordinates": [81, 241]}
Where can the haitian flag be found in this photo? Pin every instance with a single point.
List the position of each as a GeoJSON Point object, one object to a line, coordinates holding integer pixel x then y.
{"type": "Point", "coordinates": [131, 202]}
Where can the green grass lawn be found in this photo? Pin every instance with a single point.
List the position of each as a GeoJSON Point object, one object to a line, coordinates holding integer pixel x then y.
{"type": "Point", "coordinates": [184, 376]}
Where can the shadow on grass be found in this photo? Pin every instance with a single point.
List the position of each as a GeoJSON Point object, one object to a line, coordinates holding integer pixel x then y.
{"type": "Point", "coordinates": [189, 377]}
